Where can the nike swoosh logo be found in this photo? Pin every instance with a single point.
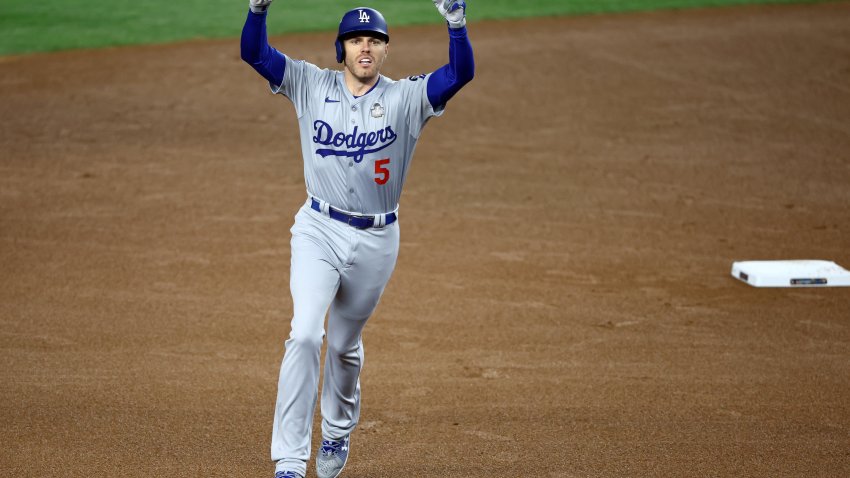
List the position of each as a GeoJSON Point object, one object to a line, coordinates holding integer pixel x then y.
{"type": "Point", "coordinates": [328, 100]}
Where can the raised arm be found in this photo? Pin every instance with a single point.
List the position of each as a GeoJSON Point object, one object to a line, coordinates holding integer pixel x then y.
{"type": "Point", "coordinates": [255, 47]}
{"type": "Point", "coordinates": [450, 78]}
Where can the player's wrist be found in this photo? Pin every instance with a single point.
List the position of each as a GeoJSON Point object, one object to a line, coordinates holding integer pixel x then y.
{"type": "Point", "coordinates": [455, 25]}
{"type": "Point", "coordinates": [260, 7]}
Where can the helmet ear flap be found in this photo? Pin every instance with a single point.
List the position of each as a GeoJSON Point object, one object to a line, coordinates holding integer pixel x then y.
{"type": "Point", "coordinates": [340, 53]}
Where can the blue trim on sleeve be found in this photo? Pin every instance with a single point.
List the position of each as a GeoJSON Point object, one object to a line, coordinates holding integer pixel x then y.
{"type": "Point", "coordinates": [257, 52]}
{"type": "Point", "coordinates": [450, 78]}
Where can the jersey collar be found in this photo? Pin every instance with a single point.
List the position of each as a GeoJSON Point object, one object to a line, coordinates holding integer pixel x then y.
{"type": "Point", "coordinates": [379, 86]}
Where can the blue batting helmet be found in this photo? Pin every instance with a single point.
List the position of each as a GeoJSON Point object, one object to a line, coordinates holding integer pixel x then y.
{"type": "Point", "coordinates": [360, 20]}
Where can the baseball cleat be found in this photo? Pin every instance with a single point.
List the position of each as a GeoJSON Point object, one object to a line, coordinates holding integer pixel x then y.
{"type": "Point", "coordinates": [287, 474]}
{"type": "Point", "coordinates": [332, 457]}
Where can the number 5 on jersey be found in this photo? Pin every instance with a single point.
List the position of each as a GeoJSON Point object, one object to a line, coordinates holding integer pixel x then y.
{"type": "Point", "coordinates": [382, 174]}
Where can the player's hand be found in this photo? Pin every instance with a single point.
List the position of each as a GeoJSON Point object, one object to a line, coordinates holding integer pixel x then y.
{"type": "Point", "coordinates": [259, 6]}
{"type": "Point", "coordinates": [453, 10]}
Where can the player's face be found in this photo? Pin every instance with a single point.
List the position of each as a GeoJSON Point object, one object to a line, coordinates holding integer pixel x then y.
{"type": "Point", "coordinates": [364, 56]}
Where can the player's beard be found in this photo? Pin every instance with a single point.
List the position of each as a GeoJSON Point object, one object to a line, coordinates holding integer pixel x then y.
{"type": "Point", "coordinates": [365, 75]}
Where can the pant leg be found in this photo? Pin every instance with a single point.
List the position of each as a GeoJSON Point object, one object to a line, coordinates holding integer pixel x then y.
{"type": "Point", "coordinates": [362, 283]}
{"type": "Point", "coordinates": [314, 281]}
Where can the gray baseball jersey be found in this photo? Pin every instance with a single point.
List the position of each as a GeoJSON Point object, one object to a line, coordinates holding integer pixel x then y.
{"type": "Point", "coordinates": [356, 151]}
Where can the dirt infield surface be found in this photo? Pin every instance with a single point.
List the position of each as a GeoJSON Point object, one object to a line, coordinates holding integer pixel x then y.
{"type": "Point", "coordinates": [562, 305]}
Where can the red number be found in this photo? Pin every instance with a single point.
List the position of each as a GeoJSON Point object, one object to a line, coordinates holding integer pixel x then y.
{"type": "Point", "coordinates": [382, 172]}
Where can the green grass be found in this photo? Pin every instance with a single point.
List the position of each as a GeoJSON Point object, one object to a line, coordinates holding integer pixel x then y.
{"type": "Point", "coordinates": [49, 25]}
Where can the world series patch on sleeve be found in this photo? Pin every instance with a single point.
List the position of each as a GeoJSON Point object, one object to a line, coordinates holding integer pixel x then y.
{"type": "Point", "coordinates": [791, 273]}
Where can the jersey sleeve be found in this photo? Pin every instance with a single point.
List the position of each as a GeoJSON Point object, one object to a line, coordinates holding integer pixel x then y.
{"type": "Point", "coordinates": [299, 78]}
{"type": "Point", "coordinates": [256, 51]}
{"type": "Point", "coordinates": [444, 83]}
{"type": "Point", "coordinates": [418, 108]}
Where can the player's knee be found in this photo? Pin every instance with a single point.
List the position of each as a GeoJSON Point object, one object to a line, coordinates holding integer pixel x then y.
{"type": "Point", "coordinates": [305, 339]}
{"type": "Point", "coordinates": [343, 350]}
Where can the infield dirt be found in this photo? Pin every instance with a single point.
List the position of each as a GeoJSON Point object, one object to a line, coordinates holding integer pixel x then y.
{"type": "Point", "coordinates": [562, 304]}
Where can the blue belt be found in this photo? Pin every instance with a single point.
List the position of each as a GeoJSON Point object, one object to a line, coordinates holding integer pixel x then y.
{"type": "Point", "coordinates": [360, 222]}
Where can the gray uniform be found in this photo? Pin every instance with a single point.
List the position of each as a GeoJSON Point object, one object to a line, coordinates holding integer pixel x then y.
{"type": "Point", "coordinates": [346, 141]}
{"type": "Point", "coordinates": [357, 153]}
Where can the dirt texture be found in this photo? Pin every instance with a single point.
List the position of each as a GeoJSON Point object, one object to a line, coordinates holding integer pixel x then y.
{"type": "Point", "coordinates": [562, 304]}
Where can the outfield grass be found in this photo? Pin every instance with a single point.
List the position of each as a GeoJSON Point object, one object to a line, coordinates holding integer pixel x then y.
{"type": "Point", "coordinates": [49, 25]}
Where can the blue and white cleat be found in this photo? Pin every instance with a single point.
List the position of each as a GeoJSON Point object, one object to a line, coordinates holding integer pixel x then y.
{"type": "Point", "coordinates": [332, 457]}
{"type": "Point", "coordinates": [287, 474]}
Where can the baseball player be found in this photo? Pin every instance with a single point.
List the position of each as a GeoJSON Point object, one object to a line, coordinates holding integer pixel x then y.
{"type": "Point", "coordinates": [358, 131]}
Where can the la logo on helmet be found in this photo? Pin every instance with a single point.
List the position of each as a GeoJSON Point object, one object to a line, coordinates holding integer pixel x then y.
{"type": "Point", "coordinates": [364, 17]}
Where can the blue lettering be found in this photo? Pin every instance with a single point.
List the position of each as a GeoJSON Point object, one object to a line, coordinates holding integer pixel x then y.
{"type": "Point", "coordinates": [323, 132]}
{"type": "Point", "coordinates": [339, 139]}
{"type": "Point", "coordinates": [357, 144]}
